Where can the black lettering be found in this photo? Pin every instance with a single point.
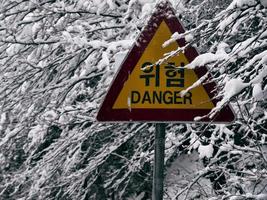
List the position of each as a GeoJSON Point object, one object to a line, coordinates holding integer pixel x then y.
{"type": "Point", "coordinates": [147, 68]}
{"type": "Point", "coordinates": [177, 98]}
{"type": "Point", "coordinates": [157, 97]}
{"type": "Point", "coordinates": [147, 78]}
{"type": "Point", "coordinates": [181, 71]}
{"type": "Point", "coordinates": [169, 98]}
{"type": "Point", "coordinates": [135, 97]}
{"type": "Point", "coordinates": [157, 75]}
{"type": "Point", "coordinates": [188, 97]}
{"type": "Point", "coordinates": [146, 97]}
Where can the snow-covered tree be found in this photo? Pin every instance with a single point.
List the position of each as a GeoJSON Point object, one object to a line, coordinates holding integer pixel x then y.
{"type": "Point", "coordinates": [57, 60]}
{"type": "Point", "coordinates": [232, 39]}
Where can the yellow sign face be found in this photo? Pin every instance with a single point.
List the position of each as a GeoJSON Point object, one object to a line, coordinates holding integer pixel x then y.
{"type": "Point", "coordinates": [159, 86]}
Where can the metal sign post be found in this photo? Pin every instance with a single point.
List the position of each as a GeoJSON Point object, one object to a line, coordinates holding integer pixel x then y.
{"type": "Point", "coordinates": [158, 172]}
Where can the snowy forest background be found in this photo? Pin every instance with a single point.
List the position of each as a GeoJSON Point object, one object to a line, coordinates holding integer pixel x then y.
{"type": "Point", "coordinates": [57, 60]}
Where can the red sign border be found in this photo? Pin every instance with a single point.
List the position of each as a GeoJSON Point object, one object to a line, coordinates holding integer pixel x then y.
{"type": "Point", "coordinates": [165, 12]}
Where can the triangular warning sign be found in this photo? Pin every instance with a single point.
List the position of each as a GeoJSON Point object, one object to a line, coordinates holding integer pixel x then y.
{"type": "Point", "coordinates": [145, 91]}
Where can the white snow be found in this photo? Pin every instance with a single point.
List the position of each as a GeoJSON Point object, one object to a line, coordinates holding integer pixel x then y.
{"type": "Point", "coordinates": [138, 197]}
{"type": "Point", "coordinates": [100, 5]}
{"type": "Point", "coordinates": [151, 129]}
{"type": "Point", "coordinates": [96, 44]}
{"type": "Point", "coordinates": [257, 92]}
{"type": "Point", "coordinates": [173, 138]}
{"type": "Point", "coordinates": [105, 58]}
{"type": "Point", "coordinates": [30, 110]}
{"type": "Point", "coordinates": [32, 57]}
{"type": "Point", "coordinates": [231, 88]}
{"type": "Point", "coordinates": [206, 58]}
{"type": "Point", "coordinates": [63, 119]}
{"type": "Point", "coordinates": [250, 196]}
{"type": "Point", "coordinates": [36, 27]}
{"type": "Point", "coordinates": [111, 4]}
{"type": "Point", "coordinates": [24, 87]}
{"type": "Point", "coordinates": [50, 115]}
{"type": "Point", "coordinates": [174, 37]}
{"type": "Point", "coordinates": [228, 131]}
{"type": "Point", "coordinates": [241, 3]}
{"type": "Point", "coordinates": [126, 44]}
{"type": "Point", "coordinates": [264, 34]}
{"type": "Point", "coordinates": [13, 49]}
{"type": "Point", "coordinates": [79, 40]}
{"type": "Point", "coordinates": [36, 134]}
{"type": "Point", "coordinates": [188, 38]}
{"type": "Point", "coordinates": [29, 17]}
{"type": "Point", "coordinates": [226, 147]}
{"type": "Point", "coordinates": [91, 104]}
{"type": "Point", "coordinates": [259, 78]}
{"type": "Point", "coordinates": [227, 21]}
{"type": "Point", "coordinates": [261, 58]}
{"type": "Point", "coordinates": [3, 118]}
{"type": "Point", "coordinates": [147, 9]}
{"type": "Point", "coordinates": [168, 143]}
{"type": "Point", "coordinates": [198, 118]}
{"type": "Point", "coordinates": [181, 173]}
{"type": "Point", "coordinates": [205, 151]}
{"type": "Point", "coordinates": [144, 2]}
{"type": "Point", "coordinates": [223, 48]}
{"type": "Point", "coordinates": [66, 36]}
{"type": "Point", "coordinates": [264, 3]}
{"type": "Point", "coordinates": [10, 134]}
{"type": "Point", "coordinates": [196, 84]}
{"type": "Point", "coordinates": [194, 142]}
{"type": "Point", "coordinates": [104, 61]}
{"type": "Point", "coordinates": [42, 64]}
{"type": "Point", "coordinates": [119, 57]}
{"type": "Point", "coordinates": [244, 47]}
{"type": "Point", "coordinates": [2, 160]}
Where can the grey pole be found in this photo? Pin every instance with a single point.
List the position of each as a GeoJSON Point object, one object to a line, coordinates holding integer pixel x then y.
{"type": "Point", "coordinates": [158, 172]}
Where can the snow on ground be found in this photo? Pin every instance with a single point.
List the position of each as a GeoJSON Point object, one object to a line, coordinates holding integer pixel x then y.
{"type": "Point", "coordinates": [264, 3]}
{"type": "Point", "coordinates": [181, 172]}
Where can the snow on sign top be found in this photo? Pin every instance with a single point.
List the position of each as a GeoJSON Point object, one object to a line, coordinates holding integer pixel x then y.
{"type": "Point", "coordinates": [146, 91]}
